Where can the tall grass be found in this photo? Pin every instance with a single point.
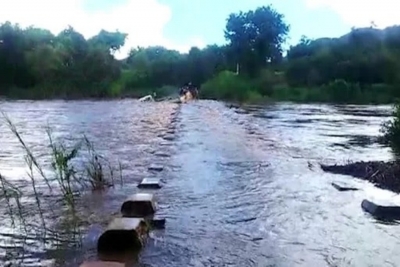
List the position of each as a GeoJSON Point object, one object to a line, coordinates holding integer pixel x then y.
{"type": "Point", "coordinates": [391, 130]}
{"type": "Point", "coordinates": [74, 169]}
{"type": "Point", "coordinates": [271, 86]}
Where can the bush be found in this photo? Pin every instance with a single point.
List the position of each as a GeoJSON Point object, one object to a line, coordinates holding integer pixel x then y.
{"type": "Point", "coordinates": [229, 86]}
{"type": "Point", "coordinates": [272, 85]}
{"type": "Point", "coordinates": [166, 90]}
{"type": "Point", "coordinates": [391, 129]}
{"type": "Point", "coordinates": [268, 81]}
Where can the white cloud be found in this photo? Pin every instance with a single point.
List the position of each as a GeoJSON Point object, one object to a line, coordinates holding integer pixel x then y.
{"type": "Point", "coordinates": [143, 20]}
{"type": "Point", "coordinates": [360, 13]}
{"type": "Point", "coordinates": [195, 41]}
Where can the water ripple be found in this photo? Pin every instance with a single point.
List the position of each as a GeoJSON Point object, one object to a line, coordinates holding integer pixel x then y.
{"type": "Point", "coordinates": [242, 186]}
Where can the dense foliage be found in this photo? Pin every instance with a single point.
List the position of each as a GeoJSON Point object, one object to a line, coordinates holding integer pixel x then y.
{"type": "Point", "coordinates": [391, 130]}
{"type": "Point", "coordinates": [362, 66]}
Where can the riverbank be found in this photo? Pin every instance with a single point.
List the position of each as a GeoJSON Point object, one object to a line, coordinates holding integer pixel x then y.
{"type": "Point", "coordinates": [60, 93]}
{"type": "Point", "coordinates": [284, 94]}
{"type": "Point", "coordinates": [229, 86]}
{"type": "Point", "coordinates": [264, 88]}
{"type": "Point", "coordinates": [122, 97]}
{"type": "Point", "coordinates": [382, 174]}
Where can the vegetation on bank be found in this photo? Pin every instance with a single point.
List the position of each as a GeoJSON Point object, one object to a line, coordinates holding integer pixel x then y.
{"type": "Point", "coordinates": [391, 130]}
{"type": "Point", "coordinates": [362, 66]}
{"type": "Point", "coordinates": [382, 174]}
{"type": "Point", "coordinates": [49, 200]}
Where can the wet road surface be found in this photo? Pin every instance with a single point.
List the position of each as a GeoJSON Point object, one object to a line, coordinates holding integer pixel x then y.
{"type": "Point", "coordinates": [242, 186]}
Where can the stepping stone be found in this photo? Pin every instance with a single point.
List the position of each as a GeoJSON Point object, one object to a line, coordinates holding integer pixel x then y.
{"type": "Point", "coordinates": [139, 205]}
{"type": "Point", "coordinates": [340, 187]}
{"type": "Point", "coordinates": [171, 131]}
{"type": "Point", "coordinates": [123, 235]}
{"type": "Point", "coordinates": [381, 212]}
{"type": "Point", "coordinates": [150, 151]}
{"type": "Point", "coordinates": [154, 167]}
{"type": "Point", "coordinates": [169, 137]}
{"type": "Point", "coordinates": [157, 222]}
{"type": "Point", "coordinates": [162, 154]}
{"type": "Point", "coordinates": [99, 263]}
{"type": "Point", "coordinates": [150, 183]}
{"type": "Point", "coordinates": [233, 106]}
{"type": "Point", "coordinates": [147, 121]}
{"type": "Point", "coordinates": [165, 143]}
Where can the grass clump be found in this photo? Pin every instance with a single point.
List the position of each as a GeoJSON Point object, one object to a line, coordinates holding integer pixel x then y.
{"type": "Point", "coordinates": [391, 130]}
{"type": "Point", "coordinates": [56, 180]}
{"type": "Point", "coordinates": [228, 85]}
{"type": "Point", "coordinates": [73, 169]}
{"type": "Point", "coordinates": [271, 85]}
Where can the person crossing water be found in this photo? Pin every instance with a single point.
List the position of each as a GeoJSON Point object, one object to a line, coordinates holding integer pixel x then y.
{"type": "Point", "coordinates": [189, 87]}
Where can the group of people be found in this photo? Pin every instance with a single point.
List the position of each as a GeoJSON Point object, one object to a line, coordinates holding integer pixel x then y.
{"type": "Point", "coordinates": [189, 87]}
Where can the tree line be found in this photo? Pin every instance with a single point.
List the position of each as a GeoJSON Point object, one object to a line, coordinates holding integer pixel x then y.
{"type": "Point", "coordinates": [361, 66]}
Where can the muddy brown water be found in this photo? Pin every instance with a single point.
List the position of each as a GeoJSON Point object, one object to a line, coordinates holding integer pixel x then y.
{"type": "Point", "coordinates": [242, 186]}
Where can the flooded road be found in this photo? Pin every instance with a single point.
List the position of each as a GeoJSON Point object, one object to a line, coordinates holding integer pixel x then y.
{"type": "Point", "coordinates": [242, 186]}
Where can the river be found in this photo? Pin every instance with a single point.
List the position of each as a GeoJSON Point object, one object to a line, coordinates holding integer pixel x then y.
{"type": "Point", "coordinates": [242, 186]}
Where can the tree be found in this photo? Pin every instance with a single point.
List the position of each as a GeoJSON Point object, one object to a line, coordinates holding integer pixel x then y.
{"type": "Point", "coordinates": [36, 63]}
{"type": "Point", "coordinates": [256, 37]}
{"type": "Point", "coordinates": [13, 69]}
{"type": "Point", "coordinates": [111, 41]}
{"type": "Point", "coordinates": [364, 56]}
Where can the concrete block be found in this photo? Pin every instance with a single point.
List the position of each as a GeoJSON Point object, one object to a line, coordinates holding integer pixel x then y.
{"type": "Point", "coordinates": [381, 212]}
{"type": "Point", "coordinates": [155, 167]}
{"type": "Point", "coordinates": [122, 236]}
{"type": "Point", "coordinates": [151, 183]}
{"type": "Point", "coordinates": [139, 205]}
{"type": "Point", "coordinates": [169, 137]}
{"type": "Point", "coordinates": [342, 187]}
{"type": "Point", "coordinates": [162, 154]}
{"type": "Point", "coordinates": [157, 223]}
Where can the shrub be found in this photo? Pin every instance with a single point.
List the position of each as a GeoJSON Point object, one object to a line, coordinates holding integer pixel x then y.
{"type": "Point", "coordinates": [228, 86]}
{"type": "Point", "coordinates": [391, 129]}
